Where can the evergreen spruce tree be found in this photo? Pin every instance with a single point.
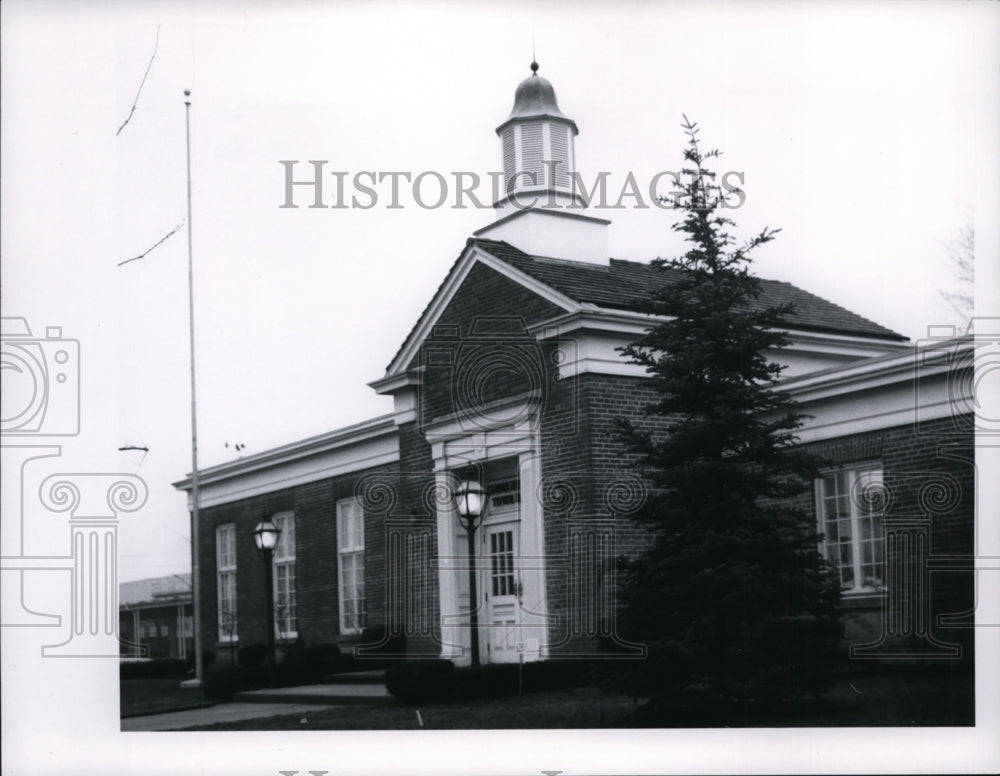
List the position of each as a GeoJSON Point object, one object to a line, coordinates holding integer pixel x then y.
{"type": "Point", "coordinates": [732, 597]}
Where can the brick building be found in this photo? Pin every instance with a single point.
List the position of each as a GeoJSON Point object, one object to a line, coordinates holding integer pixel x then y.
{"type": "Point", "coordinates": [512, 378]}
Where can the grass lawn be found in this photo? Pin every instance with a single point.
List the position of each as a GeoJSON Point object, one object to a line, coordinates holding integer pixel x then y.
{"type": "Point", "coordinates": [154, 696]}
{"type": "Point", "coordinates": [891, 700]}
{"type": "Point", "coordinates": [577, 708]}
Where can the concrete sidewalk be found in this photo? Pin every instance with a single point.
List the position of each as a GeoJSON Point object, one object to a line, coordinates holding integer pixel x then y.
{"type": "Point", "coordinates": [326, 694]}
{"type": "Point", "coordinates": [362, 688]}
{"type": "Point", "coordinates": [209, 715]}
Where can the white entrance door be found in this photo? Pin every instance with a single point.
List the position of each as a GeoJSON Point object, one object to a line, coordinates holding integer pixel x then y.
{"type": "Point", "coordinates": [504, 640]}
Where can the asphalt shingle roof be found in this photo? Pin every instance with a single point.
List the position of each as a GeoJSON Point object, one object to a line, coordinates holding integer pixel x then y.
{"type": "Point", "coordinates": [619, 284]}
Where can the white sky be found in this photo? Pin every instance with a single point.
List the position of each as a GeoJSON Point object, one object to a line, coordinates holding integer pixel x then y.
{"type": "Point", "coordinates": [865, 131]}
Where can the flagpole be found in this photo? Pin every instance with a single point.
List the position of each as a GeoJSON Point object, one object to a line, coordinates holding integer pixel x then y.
{"type": "Point", "coordinates": [195, 527]}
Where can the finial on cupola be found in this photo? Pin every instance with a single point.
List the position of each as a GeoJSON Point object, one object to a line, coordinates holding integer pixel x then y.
{"type": "Point", "coordinates": [534, 68]}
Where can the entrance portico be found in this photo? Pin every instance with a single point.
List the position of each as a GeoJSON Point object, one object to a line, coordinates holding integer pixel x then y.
{"type": "Point", "coordinates": [501, 450]}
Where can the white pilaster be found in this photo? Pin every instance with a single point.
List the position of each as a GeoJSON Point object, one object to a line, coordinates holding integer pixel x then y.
{"type": "Point", "coordinates": [451, 633]}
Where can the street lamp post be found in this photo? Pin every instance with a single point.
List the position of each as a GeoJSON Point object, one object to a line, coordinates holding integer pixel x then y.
{"type": "Point", "coordinates": [470, 498]}
{"type": "Point", "coordinates": [265, 536]}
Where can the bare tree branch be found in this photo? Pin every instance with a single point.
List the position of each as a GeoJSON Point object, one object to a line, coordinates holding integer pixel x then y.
{"type": "Point", "coordinates": [142, 83]}
{"type": "Point", "coordinates": [961, 256]}
{"type": "Point", "coordinates": [158, 243]}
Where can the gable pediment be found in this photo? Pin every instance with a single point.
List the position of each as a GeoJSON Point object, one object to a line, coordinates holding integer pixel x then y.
{"type": "Point", "coordinates": [479, 286]}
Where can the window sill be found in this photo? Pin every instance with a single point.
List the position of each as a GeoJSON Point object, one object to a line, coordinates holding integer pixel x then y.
{"type": "Point", "coordinates": [861, 600]}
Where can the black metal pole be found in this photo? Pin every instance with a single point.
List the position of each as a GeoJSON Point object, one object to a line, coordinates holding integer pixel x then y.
{"type": "Point", "coordinates": [473, 597]}
{"type": "Point", "coordinates": [269, 582]}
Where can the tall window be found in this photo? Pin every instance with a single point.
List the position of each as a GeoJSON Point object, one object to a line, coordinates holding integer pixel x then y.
{"type": "Point", "coordinates": [851, 503]}
{"type": "Point", "coordinates": [225, 564]}
{"type": "Point", "coordinates": [284, 576]}
{"type": "Point", "coordinates": [351, 553]}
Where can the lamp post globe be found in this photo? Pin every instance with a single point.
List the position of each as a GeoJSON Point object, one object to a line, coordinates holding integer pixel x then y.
{"type": "Point", "coordinates": [265, 536]}
{"type": "Point", "coordinates": [470, 498]}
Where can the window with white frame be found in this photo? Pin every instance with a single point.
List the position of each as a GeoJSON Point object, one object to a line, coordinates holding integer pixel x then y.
{"type": "Point", "coordinates": [850, 503]}
{"type": "Point", "coordinates": [351, 557]}
{"type": "Point", "coordinates": [284, 576]}
{"type": "Point", "coordinates": [225, 565]}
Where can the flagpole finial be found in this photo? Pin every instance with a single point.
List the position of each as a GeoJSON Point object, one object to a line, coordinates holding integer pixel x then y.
{"type": "Point", "coordinates": [187, 93]}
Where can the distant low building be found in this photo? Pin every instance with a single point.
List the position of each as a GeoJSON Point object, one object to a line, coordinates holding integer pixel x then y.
{"type": "Point", "coordinates": [156, 615]}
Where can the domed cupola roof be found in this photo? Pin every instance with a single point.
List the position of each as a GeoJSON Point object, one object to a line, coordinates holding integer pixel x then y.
{"type": "Point", "coordinates": [535, 98]}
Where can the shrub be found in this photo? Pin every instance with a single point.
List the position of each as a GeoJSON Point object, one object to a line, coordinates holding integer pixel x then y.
{"type": "Point", "coordinates": [291, 674]}
{"type": "Point", "coordinates": [166, 668]}
{"type": "Point", "coordinates": [223, 681]}
{"type": "Point", "coordinates": [433, 681]}
{"type": "Point", "coordinates": [220, 683]}
{"type": "Point", "coordinates": [380, 643]}
{"type": "Point", "coordinates": [323, 651]}
{"type": "Point", "coordinates": [500, 679]}
{"type": "Point", "coordinates": [327, 659]}
{"type": "Point", "coordinates": [421, 681]}
{"type": "Point", "coordinates": [252, 655]}
{"type": "Point", "coordinates": [294, 652]}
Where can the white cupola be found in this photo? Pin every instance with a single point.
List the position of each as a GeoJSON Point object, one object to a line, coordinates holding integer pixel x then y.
{"type": "Point", "coordinates": [536, 143]}
{"type": "Point", "coordinates": [539, 210]}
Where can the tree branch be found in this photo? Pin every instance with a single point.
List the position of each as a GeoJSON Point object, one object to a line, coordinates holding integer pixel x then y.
{"type": "Point", "coordinates": [142, 83]}
{"type": "Point", "coordinates": [158, 243]}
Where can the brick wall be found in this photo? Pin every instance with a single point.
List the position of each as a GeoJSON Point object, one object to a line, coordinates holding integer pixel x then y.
{"type": "Point", "coordinates": [314, 505]}
{"type": "Point", "coordinates": [409, 600]}
{"type": "Point", "coordinates": [594, 489]}
{"type": "Point", "coordinates": [929, 477]}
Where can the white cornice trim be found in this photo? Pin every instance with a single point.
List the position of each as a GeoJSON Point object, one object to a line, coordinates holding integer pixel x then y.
{"type": "Point", "coordinates": [591, 318]}
{"type": "Point", "coordinates": [902, 415]}
{"type": "Point", "coordinates": [822, 337]}
{"type": "Point", "coordinates": [301, 472]}
{"type": "Point", "coordinates": [592, 336]}
{"type": "Point", "coordinates": [915, 363]}
{"type": "Point", "coordinates": [490, 417]}
{"type": "Point", "coordinates": [525, 210]}
{"type": "Point", "coordinates": [367, 432]}
{"type": "Point", "coordinates": [392, 383]}
{"type": "Point", "coordinates": [898, 390]}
